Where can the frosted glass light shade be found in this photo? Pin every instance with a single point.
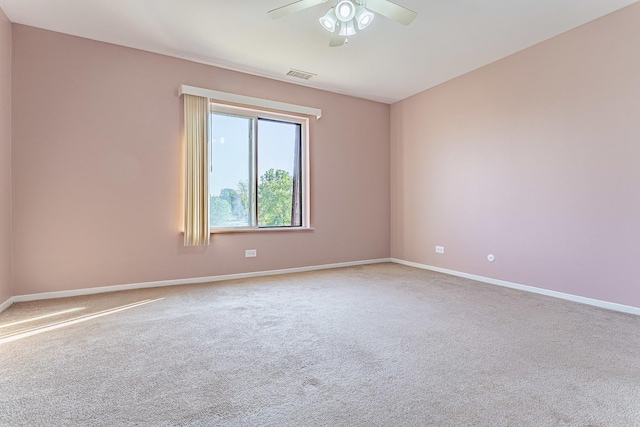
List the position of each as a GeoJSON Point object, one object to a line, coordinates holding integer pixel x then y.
{"type": "Point", "coordinates": [363, 17]}
{"type": "Point", "coordinates": [347, 29]}
{"type": "Point", "coordinates": [345, 10]}
{"type": "Point", "coordinates": [329, 20]}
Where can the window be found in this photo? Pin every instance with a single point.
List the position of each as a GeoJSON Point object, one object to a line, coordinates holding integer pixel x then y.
{"type": "Point", "coordinates": [258, 169]}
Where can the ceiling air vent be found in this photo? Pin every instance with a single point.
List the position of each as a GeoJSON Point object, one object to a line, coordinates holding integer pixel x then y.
{"type": "Point", "coordinates": [300, 74]}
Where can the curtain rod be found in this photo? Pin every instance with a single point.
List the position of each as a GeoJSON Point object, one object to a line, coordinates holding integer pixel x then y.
{"type": "Point", "coordinates": [248, 100]}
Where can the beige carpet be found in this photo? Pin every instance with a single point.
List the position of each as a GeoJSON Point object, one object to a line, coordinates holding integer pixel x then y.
{"type": "Point", "coordinates": [380, 345]}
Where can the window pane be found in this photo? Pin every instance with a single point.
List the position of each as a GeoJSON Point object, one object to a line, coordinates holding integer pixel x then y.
{"type": "Point", "coordinates": [230, 175]}
{"type": "Point", "coordinates": [278, 174]}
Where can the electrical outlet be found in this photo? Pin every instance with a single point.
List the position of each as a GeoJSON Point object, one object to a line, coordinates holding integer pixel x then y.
{"type": "Point", "coordinates": [251, 253]}
{"type": "Point", "coordinates": [439, 249]}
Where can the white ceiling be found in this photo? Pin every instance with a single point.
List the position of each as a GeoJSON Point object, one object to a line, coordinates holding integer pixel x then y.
{"type": "Point", "coordinates": [386, 62]}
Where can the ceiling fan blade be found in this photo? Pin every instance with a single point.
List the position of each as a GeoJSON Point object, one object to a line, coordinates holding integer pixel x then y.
{"type": "Point", "coordinates": [337, 39]}
{"type": "Point", "coordinates": [392, 11]}
{"type": "Point", "coordinates": [293, 7]}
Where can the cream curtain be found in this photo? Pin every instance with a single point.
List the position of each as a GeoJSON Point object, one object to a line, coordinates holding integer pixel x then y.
{"type": "Point", "coordinates": [196, 208]}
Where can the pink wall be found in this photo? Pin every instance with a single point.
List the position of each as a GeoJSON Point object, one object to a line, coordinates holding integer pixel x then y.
{"type": "Point", "coordinates": [536, 159]}
{"type": "Point", "coordinates": [97, 170]}
{"type": "Point", "coordinates": [5, 158]}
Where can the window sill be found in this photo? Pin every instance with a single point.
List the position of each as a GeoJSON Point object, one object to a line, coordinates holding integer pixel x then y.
{"type": "Point", "coordinates": [259, 230]}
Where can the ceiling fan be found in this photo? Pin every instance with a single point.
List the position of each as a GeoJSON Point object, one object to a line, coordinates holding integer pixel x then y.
{"type": "Point", "coordinates": [342, 19]}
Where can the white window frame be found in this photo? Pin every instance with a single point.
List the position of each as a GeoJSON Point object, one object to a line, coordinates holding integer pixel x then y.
{"type": "Point", "coordinates": [256, 114]}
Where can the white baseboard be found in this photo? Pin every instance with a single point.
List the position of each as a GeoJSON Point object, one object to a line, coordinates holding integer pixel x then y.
{"type": "Point", "coordinates": [504, 283]}
{"type": "Point", "coordinates": [6, 304]}
{"type": "Point", "coordinates": [116, 288]}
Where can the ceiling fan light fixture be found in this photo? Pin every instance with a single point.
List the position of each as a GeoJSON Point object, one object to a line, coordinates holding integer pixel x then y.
{"type": "Point", "coordinates": [363, 17]}
{"type": "Point", "coordinates": [347, 29]}
{"type": "Point", "coordinates": [342, 19]}
{"type": "Point", "coordinates": [345, 10]}
{"type": "Point", "coordinates": [329, 20]}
